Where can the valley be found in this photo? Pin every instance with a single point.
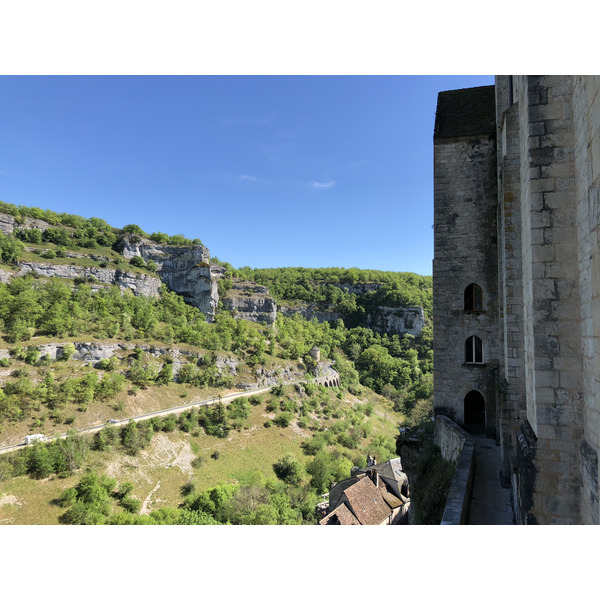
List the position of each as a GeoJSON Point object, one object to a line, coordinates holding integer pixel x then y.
{"type": "Point", "coordinates": [102, 324]}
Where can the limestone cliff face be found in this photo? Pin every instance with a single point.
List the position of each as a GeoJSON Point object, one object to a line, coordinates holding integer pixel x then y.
{"type": "Point", "coordinates": [140, 285]}
{"type": "Point", "coordinates": [251, 302]}
{"type": "Point", "coordinates": [386, 319]}
{"type": "Point", "coordinates": [184, 269]}
{"type": "Point", "coordinates": [358, 288]}
{"type": "Point", "coordinates": [312, 310]}
{"type": "Point", "coordinates": [8, 224]}
{"type": "Point", "coordinates": [382, 319]}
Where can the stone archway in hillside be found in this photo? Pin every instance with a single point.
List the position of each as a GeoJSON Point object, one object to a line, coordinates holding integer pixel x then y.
{"type": "Point", "coordinates": [474, 413]}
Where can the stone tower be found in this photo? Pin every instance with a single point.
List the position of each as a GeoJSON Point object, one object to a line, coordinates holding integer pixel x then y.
{"type": "Point", "coordinates": [465, 303]}
{"type": "Point", "coordinates": [531, 245]}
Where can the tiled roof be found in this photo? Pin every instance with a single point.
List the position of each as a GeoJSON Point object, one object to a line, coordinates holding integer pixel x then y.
{"type": "Point", "coordinates": [367, 503]}
{"type": "Point", "coordinates": [340, 516]}
{"type": "Point", "coordinates": [391, 500]}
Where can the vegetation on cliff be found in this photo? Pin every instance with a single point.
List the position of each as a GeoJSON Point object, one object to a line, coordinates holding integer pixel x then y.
{"type": "Point", "coordinates": [333, 286]}
{"type": "Point", "coordinates": [74, 231]}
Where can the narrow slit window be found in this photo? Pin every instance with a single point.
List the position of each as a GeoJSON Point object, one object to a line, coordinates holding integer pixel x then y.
{"type": "Point", "coordinates": [473, 297]}
{"type": "Point", "coordinates": [473, 350]}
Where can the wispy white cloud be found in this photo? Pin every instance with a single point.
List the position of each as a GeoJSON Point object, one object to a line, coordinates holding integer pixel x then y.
{"type": "Point", "coordinates": [322, 185]}
{"type": "Point", "coordinates": [248, 178]}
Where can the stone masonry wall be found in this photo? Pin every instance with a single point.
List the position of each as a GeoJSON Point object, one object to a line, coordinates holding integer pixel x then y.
{"type": "Point", "coordinates": [551, 295]}
{"type": "Point", "coordinates": [511, 288]}
{"type": "Point", "coordinates": [586, 116]}
{"type": "Point", "coordinates": [465, 191]}
{"type": "Point", "coordinates": [548, 297]}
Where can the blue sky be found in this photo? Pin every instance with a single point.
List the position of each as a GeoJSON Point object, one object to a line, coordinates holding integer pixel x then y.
{"type": "Point", "coordinates": [267, 171]}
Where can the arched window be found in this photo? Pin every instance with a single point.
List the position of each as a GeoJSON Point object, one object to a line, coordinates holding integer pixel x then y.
{"type": "Point", "coordinates": [473, 350]}
{"type": "Point", "coordinates": [473, 297]}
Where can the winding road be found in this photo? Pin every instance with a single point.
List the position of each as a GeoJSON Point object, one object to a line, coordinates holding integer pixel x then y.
{"type": "Point", "coordinates": [175, 410]}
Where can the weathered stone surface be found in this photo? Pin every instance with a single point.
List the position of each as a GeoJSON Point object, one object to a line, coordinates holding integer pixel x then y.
{"type": "Point", "coordinates": [312, 310]}
{"type": "Point", "coordinates": [140, 285]}
{"type": "Point", "coordinates": [8, 224]}
{"type": "Point", "coordinates": [538, 268]}
{"type": "Point", "coordinates": [251, 302]}
{"type": "Point", "coordinates": [227, 362]}
{"type": "Point", "coordinates": [184, 269]}
{"type": "Point", "coordinates": [268, 377]}
{"type": "Point", "coordinates": [5, 275]}
{"type": "Point", "coordinates": [397, 320]}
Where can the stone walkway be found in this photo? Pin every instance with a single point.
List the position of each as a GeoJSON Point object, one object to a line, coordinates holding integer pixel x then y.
{"type": "Point", "coordinates": [490, 502]}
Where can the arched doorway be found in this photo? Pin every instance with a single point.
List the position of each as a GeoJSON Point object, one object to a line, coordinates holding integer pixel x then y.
{"type": "Point", "coordinates": [474, 413]}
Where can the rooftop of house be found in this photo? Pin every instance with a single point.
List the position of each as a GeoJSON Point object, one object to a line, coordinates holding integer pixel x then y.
{"type": "Point", "coordinates": [366, 502]}
{"type": "Point", "coordinates": [340, 516]}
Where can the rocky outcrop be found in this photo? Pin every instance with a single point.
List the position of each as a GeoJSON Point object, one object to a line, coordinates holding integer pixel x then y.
{"type": "Point", "coordinates": [5, 275]}
{"type": "Point", "coordinates": [312, 310]}
{"type": "Point", "coordinates": [8, 224]}
{"type": "Point", "coordinates": [140, 285]}
{"type": "Point", "coordinates": [267, 377]}
{"type": "Point", "coordinates": [185, 270]}
{"type": "Point", "coordinates": [397, 320]}
{"type": "Point", "coordinates": [358, 288]}
{"type": "Point", "coordinates": [251, 302]}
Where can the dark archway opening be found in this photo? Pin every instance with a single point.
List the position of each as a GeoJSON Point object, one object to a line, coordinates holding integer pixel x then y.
{"type": "Point", "coordinates": [473, 297]}
{"type": "Point", "coordinates": [474, 413]}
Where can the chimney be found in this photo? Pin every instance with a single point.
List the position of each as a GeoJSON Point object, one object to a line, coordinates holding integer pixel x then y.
{"type": "Point", "coordinates": [374, 475]}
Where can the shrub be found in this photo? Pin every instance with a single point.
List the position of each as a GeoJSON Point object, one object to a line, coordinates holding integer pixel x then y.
{"type": "Point", "coordinates": [188, 488]}
{"type": "Point", "coordinates": [272, 405]}
{"type": "Point", "coordinates": [283, 420]}
{"type": "Point", "coordinates": [125, 489]}
{"type": "Point", "coordinates": [137, 261]}
{"type": "Point", "coordinates": [255, 400]}
{"type": "Point", "coordinates": [197, 462]}
{"type": "Point", "coordinates": [131, 504]}
{"type": "Point", "coordinates": [67, 351]}
{"type": "Point", "coordinates": [32, 355]}
{"type": "Point", "coordinates": [289, 470]}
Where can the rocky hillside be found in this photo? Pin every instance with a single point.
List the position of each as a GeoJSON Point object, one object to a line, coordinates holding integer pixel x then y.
{"type": "Point", "coordinates": [71, 247]}
{"type": "Point", "coordinates": [132, 261]}
{"type": "Point", "coordinates": [393, 303]}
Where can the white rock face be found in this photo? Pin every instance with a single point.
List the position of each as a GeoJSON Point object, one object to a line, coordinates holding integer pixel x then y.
{"type": "Point", "coordinates": [252, 302]}
{"type": "Point", "coordinates": [184, 269]}
{"type": "Point", "coordinates": [140, 285]}
{"type": "Point", "coordinates": [312, 310]}
{"type": "Point", "coordinates": [397, 320]}
{"type": "Point", "coordinates": [8, 224]}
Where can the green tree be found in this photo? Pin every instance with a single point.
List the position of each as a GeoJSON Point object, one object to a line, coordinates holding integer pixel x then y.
{"type": "Point", "coordinates": [289, 470]}
{"type": "Point", "coordinates": [10, 249]}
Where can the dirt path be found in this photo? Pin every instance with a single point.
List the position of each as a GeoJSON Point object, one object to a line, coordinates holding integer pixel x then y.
{"type": "Point", "coordinates": [145, 510]}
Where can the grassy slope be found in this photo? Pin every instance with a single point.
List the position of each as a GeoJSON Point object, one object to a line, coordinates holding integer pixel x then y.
{"type": "Point", "coordinates": [166, 463]}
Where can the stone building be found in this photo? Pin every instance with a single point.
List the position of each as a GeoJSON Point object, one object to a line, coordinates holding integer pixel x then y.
{"type": "Point", "coordinates": [516, 279]}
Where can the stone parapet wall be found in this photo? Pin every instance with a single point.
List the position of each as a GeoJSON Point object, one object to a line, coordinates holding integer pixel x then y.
{"type": "Point", "coordinates": [457, 446]}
